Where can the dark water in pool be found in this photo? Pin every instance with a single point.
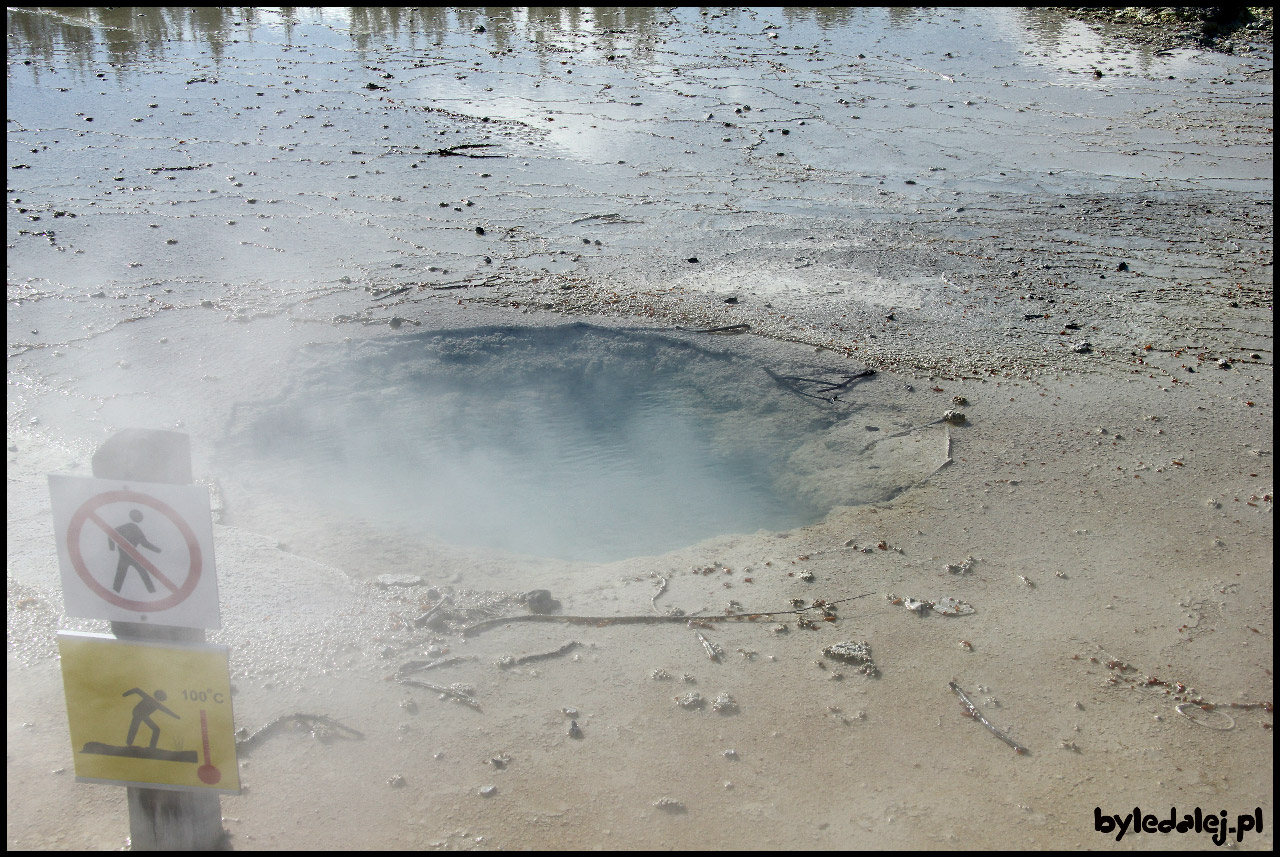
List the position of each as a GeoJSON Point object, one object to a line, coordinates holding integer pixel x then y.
{"type": "Point", "coordinates": [574, 443]}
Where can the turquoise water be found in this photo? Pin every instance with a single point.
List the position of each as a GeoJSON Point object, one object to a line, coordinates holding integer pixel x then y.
{"type": "Point", "coordinates": [576, 443]}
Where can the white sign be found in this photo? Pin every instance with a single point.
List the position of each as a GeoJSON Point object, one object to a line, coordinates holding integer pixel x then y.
{"type": "Point", "coordinates": [135, 551]}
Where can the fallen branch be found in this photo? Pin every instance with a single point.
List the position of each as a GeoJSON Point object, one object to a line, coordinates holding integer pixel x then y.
{"type": "Point", "coordinates": [489, 282]}
{"type": "Point", "coordinates": [830, 386]}
{"type": "Point", "coordinates": [826, 390]}
{"type": "Point", "coordinates": [453, 150]}
{"type": "Point", "coordinates": [421, 666]}
{"type": "Point", "coordinates": [447, 691]}
{"type": "Point", "coordinates": [865, 373]}
{"type": "Point", "coordinates": [308, 720]}
{"type": "Point", "coordinates": [1222, 715]}
{"type": "Point", "coordinates": [426, 619]}
{"type": "Point", "coordinates": [604, 218]}
{"type": "Point", "coordinates": [731, 328]}
{"type": "Point", "coordinates": [604, 621]}
{"type": "Point", "coordinates": [713, 651]}
{"type": "Point", "coordinates": [507, 662]}
{"type": "Point", "coordinates": [906, 432]}
{"type": "Point", "coordinates": [661, 589]}
{"type": "Point", "coordinates": [972, 711]}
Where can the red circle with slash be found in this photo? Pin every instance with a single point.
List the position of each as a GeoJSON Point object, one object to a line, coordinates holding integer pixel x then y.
{"type": "Point", "coordinates": [178, 592]}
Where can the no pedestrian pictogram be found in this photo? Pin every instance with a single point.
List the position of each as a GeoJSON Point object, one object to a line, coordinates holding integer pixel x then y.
{"type": "Point", "coordinates": [135, 552]}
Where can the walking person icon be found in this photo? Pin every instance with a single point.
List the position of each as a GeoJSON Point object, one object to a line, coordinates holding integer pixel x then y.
{"type": "Point", "coordinates": [131, 533]}
{"type": "Point", "coordinates": [142, 712]}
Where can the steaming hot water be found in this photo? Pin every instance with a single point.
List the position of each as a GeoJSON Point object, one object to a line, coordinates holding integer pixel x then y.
{"type": "Point", "coordinates": [570, 442]}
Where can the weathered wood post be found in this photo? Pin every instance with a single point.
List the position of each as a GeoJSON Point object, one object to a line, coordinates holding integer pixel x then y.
{"type": "Point", "coordinates": [160, 819]}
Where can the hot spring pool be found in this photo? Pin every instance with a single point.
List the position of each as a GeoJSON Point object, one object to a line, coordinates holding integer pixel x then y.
{"type": "Point", "coordinates": [573, 442]}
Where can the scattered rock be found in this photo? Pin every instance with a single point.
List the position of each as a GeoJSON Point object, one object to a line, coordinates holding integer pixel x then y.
{"type": "Point", "coordinates": [949, 606]}
{"type": "Point", "coordinates": [946, 606]}
{"type": "Point", "coordinates": [691, 700]}
{"type": "Point", "coordinates": [917, 606]}
{"type": "Point", "coordinates": [724, 704]}
{"type": "Point", "coordinates": [857, 653]}
{"type": "Point", "coordinates": [540, 601]}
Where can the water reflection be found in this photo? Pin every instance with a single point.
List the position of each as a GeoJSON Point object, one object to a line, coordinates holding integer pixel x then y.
{"type": "Point", "coordinates": [71, 36]}
{"type": "Point", "coordinates": [1074, 47]}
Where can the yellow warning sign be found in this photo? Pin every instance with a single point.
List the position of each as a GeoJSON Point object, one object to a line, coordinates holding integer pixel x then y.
{"type": "Point", "coordinates": [153, 714]}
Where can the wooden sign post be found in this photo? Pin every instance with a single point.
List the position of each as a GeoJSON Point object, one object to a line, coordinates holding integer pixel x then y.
{"type": "Point", "coordinates": [160, 819]}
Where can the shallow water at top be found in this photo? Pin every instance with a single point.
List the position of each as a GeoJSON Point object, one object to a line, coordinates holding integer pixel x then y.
{"type": "Point", "coordinates": [600, 107]}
